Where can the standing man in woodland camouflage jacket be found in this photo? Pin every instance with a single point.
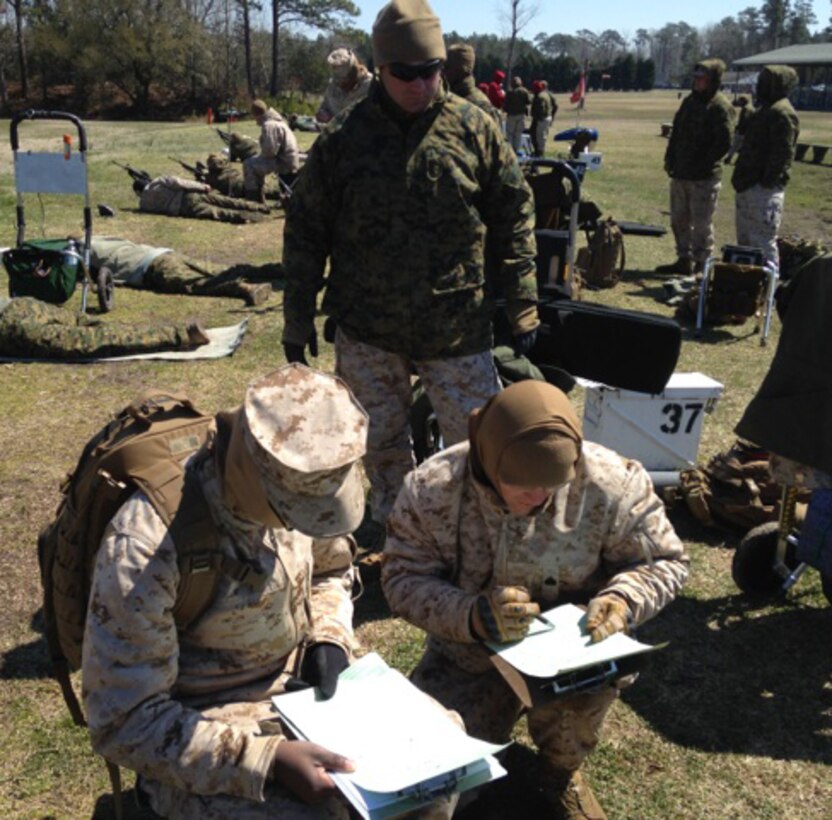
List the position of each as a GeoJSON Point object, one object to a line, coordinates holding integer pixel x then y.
{"type": "Point", "coordinates": [544, 108]}
{"type": "Point", "coordinates": [459, 74]}
{"type": "Point", "coordinates": [520, 517]}
{"type": "Point", "coordinates": [398, 194]}
{"type": "Point", "coordinates": [762, 170]}
{"type": "Point", "coordinates": [279, 152]}
{"type": "Point", "coordinates": [701, 137]}
{"type": "Point", "coordinates": [516, 105]}
{"type": "Point", "coordinates": [190, 710]}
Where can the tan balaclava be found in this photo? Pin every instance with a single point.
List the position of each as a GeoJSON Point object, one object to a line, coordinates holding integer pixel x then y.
{"type": "Point", "coordinates": [407, 31]}
{"type": "Point", "coordinates": [528, 435]}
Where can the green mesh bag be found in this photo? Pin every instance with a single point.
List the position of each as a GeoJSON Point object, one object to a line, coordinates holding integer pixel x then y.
{"type": "Point", "coordinates": [47, 269]}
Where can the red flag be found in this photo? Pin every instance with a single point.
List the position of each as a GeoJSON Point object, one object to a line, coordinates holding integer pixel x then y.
{"type": "Point", "coordinates": [580, 90]}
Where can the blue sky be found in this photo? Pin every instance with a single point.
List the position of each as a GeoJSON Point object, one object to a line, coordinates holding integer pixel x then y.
{"type": "Point", "coordinates": [567, 16]}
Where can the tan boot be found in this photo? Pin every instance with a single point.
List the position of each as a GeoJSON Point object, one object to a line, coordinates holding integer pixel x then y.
{"type": "Point", "coordinates": [570, 797]}
{"type": "Point", "coordinates": [256, 294]}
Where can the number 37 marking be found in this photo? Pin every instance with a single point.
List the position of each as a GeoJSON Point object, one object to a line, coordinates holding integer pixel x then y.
{"type": "Point", "coordinates": [679, 415]}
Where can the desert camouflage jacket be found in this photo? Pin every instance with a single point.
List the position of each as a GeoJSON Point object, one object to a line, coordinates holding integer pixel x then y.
{"type": "Point", "coordinates": [336, 99]}
{"type": "Point", "coordinates": [450, 537]}
{"type": "Point", "coordinates": [164, 195]}
{"type": "Point", "coordinates": [127, 260]}
{"type": "Point", "coordinates": [143, 681]}
{"type": "Point", "coordinates": [278, 142]}
{"type": "Point", "coordinates": [401, 208]}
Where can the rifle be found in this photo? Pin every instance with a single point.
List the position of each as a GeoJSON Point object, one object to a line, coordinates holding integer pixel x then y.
{"type": "Point", "coordinates": [138, 176]}
{"type": "Point", "coordinates": [225, 136]}
{"type": "Point", "coordinates": [199, 171]}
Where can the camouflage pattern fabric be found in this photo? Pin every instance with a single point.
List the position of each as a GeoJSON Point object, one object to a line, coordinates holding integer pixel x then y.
{"type": "Point", "coordinates": [165, 194]}
{"type": "Point", "coordinates": [692, 207]}
{"type": "Point", "coordinates": [771, 135]}
{"type": "Point", "coordinates": [278, 142]}
{"type": "Point", "coordinates": [517, 101]}
{"type": "Point", "coordinates": [336, 99]}
{"type": "Point", "coordinates": [540, 134]}
{"type": "Point", "coordinates": [565, 731]}
{"type": "Point", "coordinates": [467, 89]}
{"type": "Point", "coordinates": [382, 384]}
{"type": "Point", "coordinates": [221, 208]}
{"type": "Point", "coordinates": [515, 125]}
{"type": "Point", "coordinates": [450, 537]}
{"type": "Point", "coordinates": [33, 329]}
{"type": "Point", "coordinates": [758, 212]}
{"type": "Point", "coordinates": [240, 147]}
{"type": "Point", "coordinates": [402, 218]}
{"type": "Point", "coordinates": [191, 712]}
{"type": "Point", "coordinates": [224, 178]}
{"type": "Point", "coordinates": [702, 132]}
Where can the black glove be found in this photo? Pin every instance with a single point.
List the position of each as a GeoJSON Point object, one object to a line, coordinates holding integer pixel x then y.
{"type": "Point", "coordinates": [322, 665]}
{"type": "Point", "coordinates": [294, 353]}
{"type": "Point", "coordinates": [524, 342]}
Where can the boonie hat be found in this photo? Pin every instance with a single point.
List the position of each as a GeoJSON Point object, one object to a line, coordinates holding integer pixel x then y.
{"type": "Point", "coordinates": [341, 62]}
{"type": "Point", "coordinates": [306, 432]}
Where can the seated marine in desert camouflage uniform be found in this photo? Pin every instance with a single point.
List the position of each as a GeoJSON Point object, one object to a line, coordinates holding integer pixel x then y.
{"type": "Point", "coordinates": [175, 196]}
{"type": "Point", "coordinates": [521, 516]}
{"type": "Point", "coordinates": [147, 267]}
{"type": "Point", "coordinates": [33, 329]}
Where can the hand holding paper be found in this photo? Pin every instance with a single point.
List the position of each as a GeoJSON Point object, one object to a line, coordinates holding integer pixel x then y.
{"type": "Point", "coordinates": [302, 768]}
{"type": "Point", "coordinates": [606, 615]}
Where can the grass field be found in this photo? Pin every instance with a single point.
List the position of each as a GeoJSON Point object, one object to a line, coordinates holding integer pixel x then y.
{"type": "Point", "coordinates": [733, 720]}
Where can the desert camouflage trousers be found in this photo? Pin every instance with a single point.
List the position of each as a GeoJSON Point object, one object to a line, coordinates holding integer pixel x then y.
{"type": "Point", "coordinates": [758, 213]}
{"type": "Point", "coordinates": [540, 135]}
{"type": "Point", "coordinates": [31, 328]}
{"type": "Point", "coordinates": [565, 731]}
{"type": "Point", "coordinates": [382, 383]}
{"type": "Point", "coordinates": [692, 206]}
{"type": "Point", "coordinates": [515, 123]}
{"type": "Point", "coordinates": [221, 208]}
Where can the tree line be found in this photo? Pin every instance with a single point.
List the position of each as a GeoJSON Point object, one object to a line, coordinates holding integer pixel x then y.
{"type": "Point", "coordinates": [180, 56]}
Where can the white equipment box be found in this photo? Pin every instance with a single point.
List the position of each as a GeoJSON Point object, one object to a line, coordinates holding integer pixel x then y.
{"type": "Point", "coordinates": [661, 431]}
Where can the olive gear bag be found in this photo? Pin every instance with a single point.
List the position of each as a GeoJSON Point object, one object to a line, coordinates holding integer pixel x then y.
{"type": "Point", "coordinates": [602, 261]}
{"type": "Point", "coordinates": [145, 448]}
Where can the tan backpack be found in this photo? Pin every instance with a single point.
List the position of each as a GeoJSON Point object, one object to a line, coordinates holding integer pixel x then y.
{"type": "Point", "coordinates": [143, 448]}
{"type": "Point", "coordinates": [602, 261]}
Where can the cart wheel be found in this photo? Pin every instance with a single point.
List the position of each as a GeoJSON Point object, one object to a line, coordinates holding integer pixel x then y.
{"type": "Point", "coordinates": [826, 583]}
{"type": "Point", "coordinates": [106, 290]}
{"type": "Point", "coordinates": [753, 566]}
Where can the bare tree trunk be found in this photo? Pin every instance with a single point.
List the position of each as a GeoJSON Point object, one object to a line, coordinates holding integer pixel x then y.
{"type": "Point", "coordinates": [4, 89]}
{"type": "Point", "coordinates": [274, 84]}
{"type": "Point", "coordinates": [247, 49]}
{"type": "Point", "coordinates": [17, 5]}
{"type": "Point", "coordinates": [512, 43]}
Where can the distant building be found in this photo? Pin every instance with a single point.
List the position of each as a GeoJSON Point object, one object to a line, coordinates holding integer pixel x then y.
{"type": "Point", "coordinates": [813, 63]}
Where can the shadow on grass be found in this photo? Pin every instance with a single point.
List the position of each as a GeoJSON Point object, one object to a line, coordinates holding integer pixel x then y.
{"type": "Point", "coordinates": [735, 680]}
{"type": "Point", "coordinates": [28, 661]}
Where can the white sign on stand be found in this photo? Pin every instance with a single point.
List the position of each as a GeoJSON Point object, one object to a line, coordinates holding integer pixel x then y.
{"type": "Point", "coordinates": [661, 431]}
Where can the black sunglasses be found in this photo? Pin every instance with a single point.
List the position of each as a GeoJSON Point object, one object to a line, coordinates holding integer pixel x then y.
{"type": "Point", "coordinates": [408, 73]}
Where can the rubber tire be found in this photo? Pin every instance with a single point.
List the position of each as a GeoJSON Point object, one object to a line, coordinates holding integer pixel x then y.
{"type": "Point", "coordinates": [826, 583]}
{"type": "Point", "coordinates": [753, 565]}
{"type": "Point", "coordinates": [105, 287]}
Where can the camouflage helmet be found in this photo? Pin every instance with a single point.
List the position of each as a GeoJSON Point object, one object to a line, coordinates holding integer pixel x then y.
{"type": "Point", "coordinates": [341, 62]}
{"type": "Point", "coordinates": [306, 432]}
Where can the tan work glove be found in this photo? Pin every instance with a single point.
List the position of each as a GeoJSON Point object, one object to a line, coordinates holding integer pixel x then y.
{"type": "Point", "coordinates": [503, 614]}
{"type": "Point", "coordinates": [606, 615]}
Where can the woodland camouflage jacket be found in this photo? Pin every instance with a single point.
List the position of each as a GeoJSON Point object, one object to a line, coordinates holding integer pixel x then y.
{"type": "Point", "coordinates": [401, 208]}
{"type": "Point", "coordinates": [702, 131]}
{"type": "Point", "coordinates": [450, 537]}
